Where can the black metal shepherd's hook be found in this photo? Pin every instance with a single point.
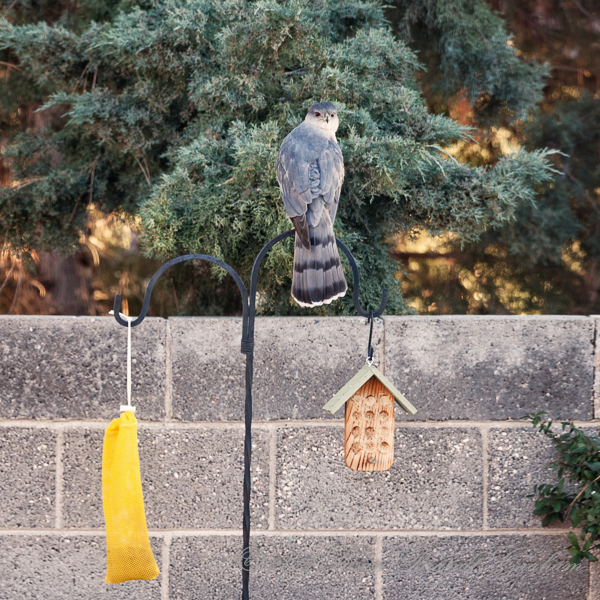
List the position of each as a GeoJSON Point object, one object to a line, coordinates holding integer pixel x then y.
{"type": "Point", "coordinates": [249, 314]}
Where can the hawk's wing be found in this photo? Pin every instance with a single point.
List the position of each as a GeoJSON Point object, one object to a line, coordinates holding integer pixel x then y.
{"type": "Point", "coordinates": [301, 147]}
{"type": "Point", "coordinates": [331, 168]}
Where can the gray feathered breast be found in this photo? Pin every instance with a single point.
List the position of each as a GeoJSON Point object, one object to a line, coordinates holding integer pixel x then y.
{"type": "Point", "coordinates": [310, 170]}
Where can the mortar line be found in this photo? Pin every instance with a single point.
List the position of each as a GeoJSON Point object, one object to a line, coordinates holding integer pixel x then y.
{"type": "Point", "coordinates": [166, 557]}
{"type": "Point", "coordinates": [58, 481]}
{"type": "Point", "coordinates": [484, 456]}
{"type": "Point", "coordinates": [272, 476]}
{"type": "Point", "coordinates": [168, 376]}
{"type": "Point", "coordinates": [379, 567]}
{"type": "Point", "coordinates": [160, 533]}
{"type": "Point", "coordinates": [101, 424]}
{"type": "Point", "coordinates": [593, 580]}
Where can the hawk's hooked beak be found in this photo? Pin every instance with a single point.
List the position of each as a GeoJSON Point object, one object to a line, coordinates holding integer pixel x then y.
{"type": "Point", "coordinates": [327, 118]}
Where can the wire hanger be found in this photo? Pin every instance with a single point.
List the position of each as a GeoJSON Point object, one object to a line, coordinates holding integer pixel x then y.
{"type": "Point", "coordinates": [127, 407]}
{"type": "Point", "coordinates": [370, 347]}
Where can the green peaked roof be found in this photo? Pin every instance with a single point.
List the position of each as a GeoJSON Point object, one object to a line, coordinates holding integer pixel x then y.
{"type": "Point", "coordinates": [358, 381]}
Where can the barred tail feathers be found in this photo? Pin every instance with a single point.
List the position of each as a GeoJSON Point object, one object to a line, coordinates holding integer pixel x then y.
{"type": "Point", "coordinates": [318, 275]}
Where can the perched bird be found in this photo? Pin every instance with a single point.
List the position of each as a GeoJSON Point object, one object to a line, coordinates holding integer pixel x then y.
{"type": "Point", "coordinates": [310, 171]}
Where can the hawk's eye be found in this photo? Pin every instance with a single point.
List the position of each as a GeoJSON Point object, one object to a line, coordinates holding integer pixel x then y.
{"type": "Point", "coordinates": [317, 114]}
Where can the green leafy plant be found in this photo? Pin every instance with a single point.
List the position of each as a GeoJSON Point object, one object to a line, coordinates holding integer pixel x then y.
{"type": "Point", "coordinates": [579, 463]}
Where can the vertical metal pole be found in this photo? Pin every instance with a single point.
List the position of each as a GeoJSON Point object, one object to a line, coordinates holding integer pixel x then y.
{"type": "Point", "coordinates": [247, 478]}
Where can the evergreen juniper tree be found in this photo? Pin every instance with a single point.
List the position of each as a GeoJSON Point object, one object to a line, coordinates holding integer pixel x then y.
{"type": "Point", "coordinates": [546, 260]}
{"type": "Point", "coordinates": [174, 111]}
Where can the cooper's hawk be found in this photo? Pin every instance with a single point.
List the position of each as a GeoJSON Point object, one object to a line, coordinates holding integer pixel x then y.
{"type": "Point", "coordinates": [310, 171]}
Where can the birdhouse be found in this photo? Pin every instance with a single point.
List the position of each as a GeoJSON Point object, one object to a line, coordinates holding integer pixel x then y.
{"type": "Point", "coordinates": [369, 428]}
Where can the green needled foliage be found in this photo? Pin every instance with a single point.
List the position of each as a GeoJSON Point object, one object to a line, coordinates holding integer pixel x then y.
{"type": "Point", "coordinates": [578, 465]}
{"type": "Point", "coordinates": [175, 111]}
{"type": "Point", "coordinates": [469, 49]}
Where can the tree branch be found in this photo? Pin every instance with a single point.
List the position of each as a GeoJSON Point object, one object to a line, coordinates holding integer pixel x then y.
{"type": "Point", "coordinates": [588, 14]}
{"type": "Point", "coordinates": [146, 174]}
{"type": "Point", "coordinates": [226, 182]}
{"type": "Point", "coordinates": [81, 76]}
{"type": "Point", "coordinates": [25, 183]}
{"type": "Point", "coordinates": [10, 65]}
{"type": "Point", "coordinates": [6, 279]}
{"type": "Point", "coordinates": [19, 284]}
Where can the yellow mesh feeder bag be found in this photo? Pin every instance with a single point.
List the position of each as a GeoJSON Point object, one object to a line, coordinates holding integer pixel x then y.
{"type": "Point", "coordinates": [129, 555]}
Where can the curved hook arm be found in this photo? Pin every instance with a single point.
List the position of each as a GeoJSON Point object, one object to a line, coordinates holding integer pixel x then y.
{"type": "Point", "coordinates": [259, 259]}
{"type": "Point", "coordinates": [248, 307]}
{"type": "Point", "coordinates": [169, 264]}
{"type": "Point", "coordinates": [355, 286]}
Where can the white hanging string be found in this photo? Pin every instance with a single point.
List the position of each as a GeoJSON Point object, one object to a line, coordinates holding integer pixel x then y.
{"type": "Point", "coordinates": [129, 363]}
{"type": "Point", "coordinates": [126, 407]}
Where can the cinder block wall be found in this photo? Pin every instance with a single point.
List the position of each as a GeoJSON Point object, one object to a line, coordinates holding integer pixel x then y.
{"type": "Point", "coordinates": [450, 519]}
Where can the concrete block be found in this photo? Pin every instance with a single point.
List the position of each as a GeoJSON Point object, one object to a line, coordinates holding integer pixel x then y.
{"type": "Point", "coordinates": [492, 368]}
{"type": "Point", "coordinates": [27, 477]}
{"type": "Point", "coordinates": [75, 367]}
{"type": "Point", "coordinates": [191, 478]}
{"type": "Point", "coordinates": [434, 483]}
{"type": "Point", "coordinates": [518, 459]}
{"type": "Point", "coordinates": [310, 568]}
{"type": "Point", "coordinates": [491, 567]}
{"type": "Point", "coordinates": [82, 479]}
{"type": "Point", "coordinates": [57, 567]}
{"type": "Point", "coordinates": [299, 364]}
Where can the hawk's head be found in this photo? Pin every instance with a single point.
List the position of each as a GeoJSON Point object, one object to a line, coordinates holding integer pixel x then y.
{"type": "Point", "coordinates": [324, 116]}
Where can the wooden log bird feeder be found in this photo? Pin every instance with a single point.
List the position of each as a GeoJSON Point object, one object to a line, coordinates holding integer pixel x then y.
{"type": "Point", "coordinates": [369, 426]}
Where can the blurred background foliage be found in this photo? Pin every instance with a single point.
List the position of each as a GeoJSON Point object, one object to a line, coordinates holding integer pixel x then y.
{"type": "Point", "coordinates": [513, 75]}
{"type": "Point", "coordinates": [547, 260]}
